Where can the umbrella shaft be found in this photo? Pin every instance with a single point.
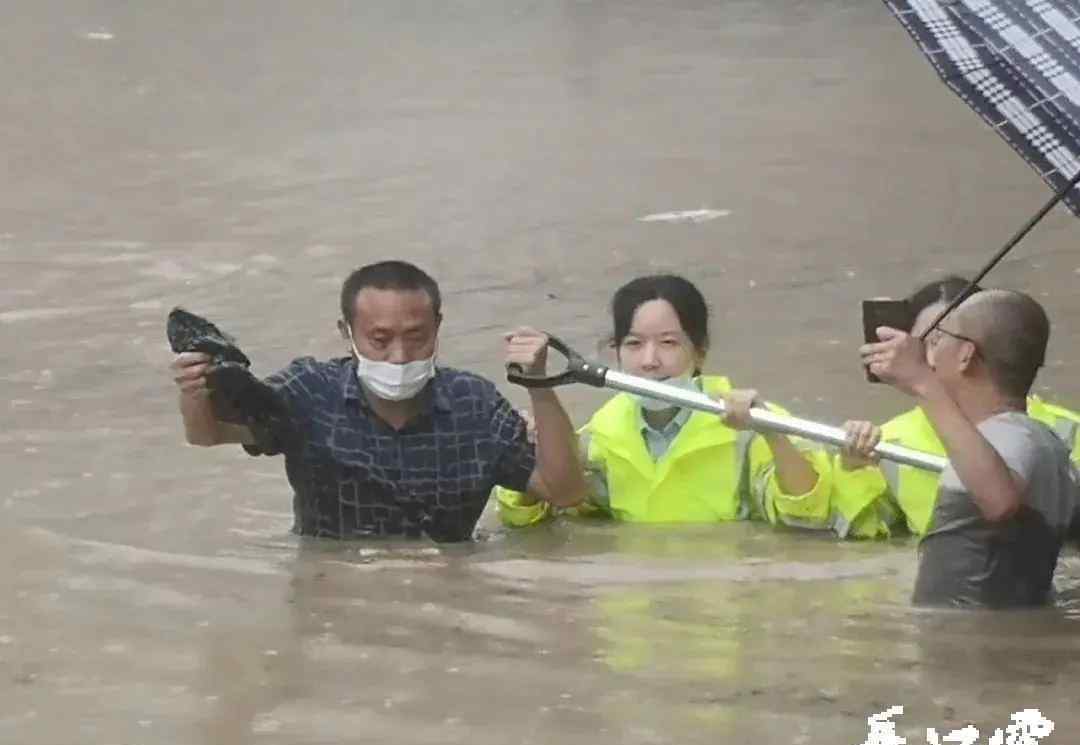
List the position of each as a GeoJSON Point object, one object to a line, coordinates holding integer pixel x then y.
{"type": "Point", "coordinates": [767, 420]}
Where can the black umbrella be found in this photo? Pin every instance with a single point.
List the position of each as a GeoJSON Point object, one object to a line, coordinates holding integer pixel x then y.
{"type": "Point", "coordinates": [1017, 64]}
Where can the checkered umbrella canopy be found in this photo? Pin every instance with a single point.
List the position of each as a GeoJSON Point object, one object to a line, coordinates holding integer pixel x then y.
{"type": "Point", "coordinates": [1016, 63]}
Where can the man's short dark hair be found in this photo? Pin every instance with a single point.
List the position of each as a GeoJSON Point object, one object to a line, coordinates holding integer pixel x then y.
{"type": "Point", "coordinates": [1013, 332]}
{"type": "Point", "coordinates": [388, 275]}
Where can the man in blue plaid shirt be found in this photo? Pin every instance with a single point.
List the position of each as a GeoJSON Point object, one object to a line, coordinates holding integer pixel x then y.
{"type": "Point", "coordinates": [384, 442]}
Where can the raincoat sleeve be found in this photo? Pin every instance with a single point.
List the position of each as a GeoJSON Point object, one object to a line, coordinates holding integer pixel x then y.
{"type": "Point", "coordinates": [1074, 446]}
{"type": "Point", "coordinates": [516, 510]}
{"type": "Point", "coordinates": [856, 496]}
{"type": "Point", "coordinates": [769, 502]}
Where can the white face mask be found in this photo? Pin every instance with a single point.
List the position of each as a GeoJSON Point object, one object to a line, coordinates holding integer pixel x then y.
{"type": "Point", "coordinates": [391, 381]}
{"type": "Point", "coordinates": [685, 382]}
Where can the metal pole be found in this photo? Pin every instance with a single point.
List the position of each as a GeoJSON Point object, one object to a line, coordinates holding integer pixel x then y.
{"type": "Point", "coordinates": [769, 420]}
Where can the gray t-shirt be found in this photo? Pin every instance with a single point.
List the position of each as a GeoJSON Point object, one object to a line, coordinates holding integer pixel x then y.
{"type": "Point", "coordinates": [965, 560]}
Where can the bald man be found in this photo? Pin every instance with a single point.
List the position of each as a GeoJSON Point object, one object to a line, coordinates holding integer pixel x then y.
{"type": "Point", "coordinates": [1006, 499]}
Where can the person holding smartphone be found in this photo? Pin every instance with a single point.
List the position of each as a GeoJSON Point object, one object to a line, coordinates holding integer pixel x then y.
{"type": "Point", "coordinates": [876, 499]}
{"type": "Point", "coordinates": [1006, 498]}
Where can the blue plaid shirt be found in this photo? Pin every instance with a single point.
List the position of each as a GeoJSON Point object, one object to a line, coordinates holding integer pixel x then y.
{"type": "Point", "coordinates": [353, 475]}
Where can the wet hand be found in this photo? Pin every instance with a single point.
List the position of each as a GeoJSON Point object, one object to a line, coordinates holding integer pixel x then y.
{"type": "Point", "coordinates": [899, 359]}
{"type": "Point", "coordinates": [527, 347]}
{"type": "Point", "coordinates": [189, 372]}
{"type": "Point", "coordinates": [858, 451]}
{"type": "Point", "coordinates": [738, 403]}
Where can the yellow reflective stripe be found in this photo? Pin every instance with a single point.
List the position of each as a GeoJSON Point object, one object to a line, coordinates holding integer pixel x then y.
{"type": "Point", "coordinates": [840, 524]}
{"type": "Point", "coordinates": [795, 522]}
{"type": "Point", "coordinates": [892, 475]}
{"type": "Point", "coordinates": [742, 460]}
{"type": "Point", "coordinates": [887, 512]}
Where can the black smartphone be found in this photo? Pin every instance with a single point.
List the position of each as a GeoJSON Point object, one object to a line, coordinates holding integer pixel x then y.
{"type": "Point", "coordinates": [884, 312]}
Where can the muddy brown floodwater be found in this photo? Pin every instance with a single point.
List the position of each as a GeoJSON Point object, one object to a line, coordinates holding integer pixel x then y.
{"type": "Point", "coordinates": [240, 158]}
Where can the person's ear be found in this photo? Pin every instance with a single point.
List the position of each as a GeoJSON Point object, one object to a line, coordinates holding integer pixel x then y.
{"type": "Point", "coordinates": [967, 357]}
{"type": "Point", "coordinates": [699, 360]}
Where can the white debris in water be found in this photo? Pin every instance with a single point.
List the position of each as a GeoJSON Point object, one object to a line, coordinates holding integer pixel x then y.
{"type": "Point", "coordinates": [319, 251]}
{"type": "Point", "coordinates": [453, 669]}
{"type": "Point", "coordinates": [114, 648]}
{"type": "Point", "coordinates": [44, 314]}
{"type": "Point", "coordinates": [145, 723]}
{"type": "Point", "coordinates": [146, 305]}
{"type": "Point", "coordinates": [752, 283]}
{"type": "Point", "coordinates": [694, 216]}
{"type": "Point", "coordinates": [100, 35]}
{"type": "Point", "coordinates": [271, 653]}
{"type": "Point", "coordinates": [222, 269]}
{"type": "Point", "coordinates": [169, 269]}
{"type": "Point", "coordinates": [850, 274]}
{"type": "Point", "coordinates": [264, 723]}
{"type": "Point", "coordinates": [5, 639]}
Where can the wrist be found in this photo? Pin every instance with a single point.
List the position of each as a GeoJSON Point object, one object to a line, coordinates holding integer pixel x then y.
{"type": "Point", "coordinates": [542, 396]}
{"type": "Point", "coordinates": [197, 398]}
{"type": "Point", "coordinates": [928, 388]}
{"type": "Point", "coordinates": [775, 439]}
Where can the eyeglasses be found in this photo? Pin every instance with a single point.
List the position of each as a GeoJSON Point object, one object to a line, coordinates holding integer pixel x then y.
{"type": "Point", "coordinates": [936, 335]}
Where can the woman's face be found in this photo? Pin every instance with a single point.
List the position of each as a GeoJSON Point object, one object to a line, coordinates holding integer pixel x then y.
{"type": "Point", "coordinates": [657, 347]}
